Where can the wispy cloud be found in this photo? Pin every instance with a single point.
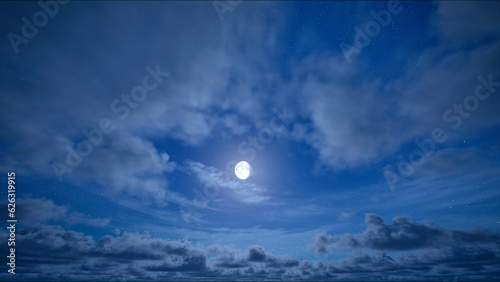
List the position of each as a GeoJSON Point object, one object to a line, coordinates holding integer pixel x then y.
{"type": "Point", "coordinates": [36, 210]}
{"type": "Point", "coordinates": [215, 178]}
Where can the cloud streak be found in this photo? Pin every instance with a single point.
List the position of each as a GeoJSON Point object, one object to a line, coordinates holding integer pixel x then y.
{"type": "Point", "coordinates": [220, 181]}
{"type": "Point", "coordinates": [36, 210]}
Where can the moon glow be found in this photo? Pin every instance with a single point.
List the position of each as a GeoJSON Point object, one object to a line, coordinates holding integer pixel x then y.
{"type": "Point", "coordinates": [242, 170]}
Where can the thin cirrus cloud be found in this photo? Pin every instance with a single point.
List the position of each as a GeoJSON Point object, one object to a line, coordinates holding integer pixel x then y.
{"type": "Point", "coordinates": [220, 181]}
{"type": "Point", "coordinates": [35, 210]}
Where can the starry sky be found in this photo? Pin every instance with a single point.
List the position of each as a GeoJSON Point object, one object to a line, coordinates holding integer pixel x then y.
{"type": "Point", "coordinates": [372, 129]}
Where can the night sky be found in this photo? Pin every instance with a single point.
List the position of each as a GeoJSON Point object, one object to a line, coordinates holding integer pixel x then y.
{"type": "Point", "coordinates": [372, 130]}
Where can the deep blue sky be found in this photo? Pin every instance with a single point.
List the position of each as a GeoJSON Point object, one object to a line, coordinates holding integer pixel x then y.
{"type": "Point", "coordinates": [333, 195]}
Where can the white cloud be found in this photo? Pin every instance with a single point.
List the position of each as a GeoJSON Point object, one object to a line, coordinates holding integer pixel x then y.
{"type": "Point", "coordinates": [353, 124]}
{"type": "Point", "coordinates": [217, 179]}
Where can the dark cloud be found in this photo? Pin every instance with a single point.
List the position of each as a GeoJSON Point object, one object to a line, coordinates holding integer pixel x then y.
{"type": "Point", "coordinates": [39, 210]}
{"type": "Point", "coordinates": [55, 253]}
{"type": "Point", "coordinates": [128, 247]}
{"type": "Point", "coordinates": [179, 263]}
{"type": "Point", "coordinates": [324, 242]}
{"type": "Point", "coordinates": [39, 239]}
{"type": "Point", "coordinates": [256, 253]}
{"type": "Point", "coordinates": [403, 234]}
{"type": "Point", "coordinates": [64, 246]}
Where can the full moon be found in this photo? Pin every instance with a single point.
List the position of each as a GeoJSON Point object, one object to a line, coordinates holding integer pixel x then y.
{"type": "Point", "coordinates": [242, 170]}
